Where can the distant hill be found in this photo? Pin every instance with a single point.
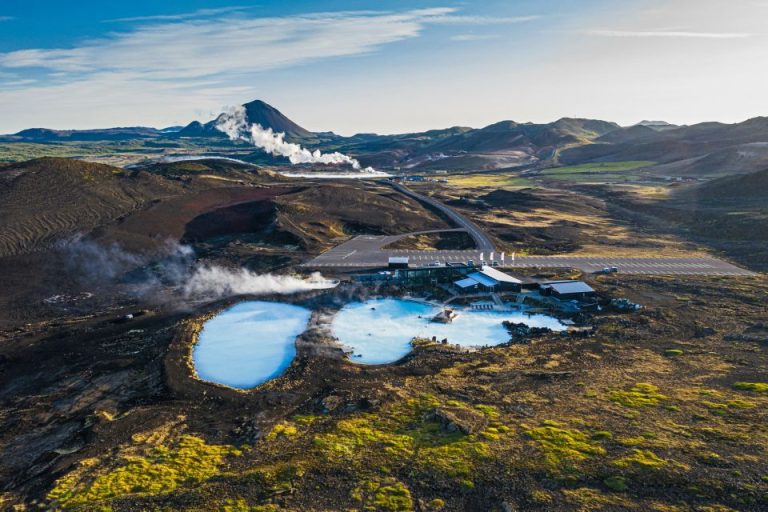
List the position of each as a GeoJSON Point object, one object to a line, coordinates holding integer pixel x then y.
{"type": "Point", "coordinates": [657, 125]}
{"type": "Point", "coordinates": [112, 134]}
{"type": "Point", "coordinates": [46, 199]}
{"type": "Point", "coordinates": [257, 112]}
{"type": "Point", "coordinates": [744, 187]}
{"type": "Point", "coordinates": [507, 135]}
{"type": "Point", "coordinates": [704, 148]}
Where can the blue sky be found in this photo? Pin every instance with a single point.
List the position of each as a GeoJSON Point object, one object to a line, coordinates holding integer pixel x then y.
{"type": "Point", "coordinates": [386, 66]}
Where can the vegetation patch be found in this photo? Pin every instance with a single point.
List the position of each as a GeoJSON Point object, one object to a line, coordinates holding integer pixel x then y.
{"type": "Point", "coordinates": [386, 495]}
{"type": "Point", "coordinates": [757, 387]}
{"type": "Point", "coordinates": [162, 470]}
{"type": "Point", "coordinates": [598, 167]}
{"type": "Point", "coordinates": [283, 429]}
{"type": "Point", "coordinates": [240, 505]}
{"type": "Point", "coordinates": [641, 394]}
{"type": "Point", "coordinates": [643, 459]}
{"type": "Point", "coordinates": [616, 483]}
{"type": "Point", "coordinates": [393, 438]}
{"type": "Point", "coordinates": [562, 447]}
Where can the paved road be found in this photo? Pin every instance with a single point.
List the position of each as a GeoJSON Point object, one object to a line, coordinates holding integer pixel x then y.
{"type": "Point", "coordinates": [482, 241]}
{"type": "Point", "coordinates": [367, 252]}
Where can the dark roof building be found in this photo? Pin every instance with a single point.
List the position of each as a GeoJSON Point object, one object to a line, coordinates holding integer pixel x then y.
{"type": "Point", "coordinates": [398, 261]}
{"type": "Point", "coordinates": [568, 290]}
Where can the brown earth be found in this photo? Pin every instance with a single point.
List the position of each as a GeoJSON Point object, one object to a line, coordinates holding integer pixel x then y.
{"type": "Point", "coordinates": [645, 415]}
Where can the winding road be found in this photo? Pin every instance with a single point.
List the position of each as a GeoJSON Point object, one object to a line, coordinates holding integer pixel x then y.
{"type": "Point", "coordinates": [369, 251]}
{"type": "Point", "coordinates": [482, 241]}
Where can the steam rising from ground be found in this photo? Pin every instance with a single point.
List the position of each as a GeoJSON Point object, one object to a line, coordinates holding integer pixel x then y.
{"type": "Point", "coordinates": [174, 269]}
{"type": "Point", "coordinates": [235, 124]}
{"type": "Point", "coordinates": [218, 281]}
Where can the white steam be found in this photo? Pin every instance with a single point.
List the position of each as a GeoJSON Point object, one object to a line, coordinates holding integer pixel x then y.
{"type": "Point", "coordinates": [235, 124]}
{"type": "Point", "coordinates": [174, 268]}
{"type": "Point", "coordinates": [215, 281]}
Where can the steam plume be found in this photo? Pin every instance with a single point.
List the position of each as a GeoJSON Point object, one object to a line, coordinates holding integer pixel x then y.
{"type": "Point", "coordinates": [176, 270]}
{"type": "Point", "coordinates": [208, 281]}
{"type": "Point", "coordinates": [235, 125]}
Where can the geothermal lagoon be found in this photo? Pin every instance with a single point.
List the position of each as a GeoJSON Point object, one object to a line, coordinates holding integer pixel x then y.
{"type": "Point", "coordinates": [380, 331]}
{"type": "Point", "coordinates": [249, 344]}
{"type": "Point", "coordinates": [253, 342]}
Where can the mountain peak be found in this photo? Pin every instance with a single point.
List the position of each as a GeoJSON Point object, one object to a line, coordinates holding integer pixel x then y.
{"type": "Point", "coordinates": [256, 112]}
{"type": "Point", "coordinates": [268, 116]}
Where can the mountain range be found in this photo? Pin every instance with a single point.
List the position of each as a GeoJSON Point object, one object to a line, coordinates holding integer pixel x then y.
{"type": "Point", "coordinates": [700, 149]}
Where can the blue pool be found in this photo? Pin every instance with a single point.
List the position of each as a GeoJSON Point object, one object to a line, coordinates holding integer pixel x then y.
{"type": "Point", "coordinates": [380, 331]}
{"type": "Point", "coordinates": [249, 344]}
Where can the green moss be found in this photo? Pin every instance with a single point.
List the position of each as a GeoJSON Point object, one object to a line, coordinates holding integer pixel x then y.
{"type": "Point", "coordinates": [541, 497]}
{"type": "Point", "coordinates": [741, 404]}
{"type": "Point", "coordinates": [602, 435]}
{"type": "Point", "coordinates": [386, 495]}
{"type": "Point", "coordinates": [757, 387]}
{"type": "Point", "coordinates": [467, 484]}
{"type": "Point", "coordinates": [616, 483]}
{"type": "Point", "coordinates": [161, 471]}
{"type": "Point", "coordinates": [283, 429]}
{"type": "Point", "coordinates": [644, 459]}
{"type": "Point", "coordinates": [401, 434]}
{"type": "Point", "coordinates": [640, 395]}
{"type": "Point", "coordinates": [562, 447]}
{"type": "Point", "coordinates": [632, 441]}
{"type": "Point", "coordinates": [490, 411]}
{"type": "Point", "coordinates": [240, 505]}
{"type": "Point", "coordinates": [306, 419]}
{"type": "Point", "coordinates": [436, 504]}
{"type": "Point", "coordinates": [352, 436]}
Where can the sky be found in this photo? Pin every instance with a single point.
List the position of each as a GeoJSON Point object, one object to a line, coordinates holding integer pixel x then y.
{"type": "Point", "coordinates": [385, 66]}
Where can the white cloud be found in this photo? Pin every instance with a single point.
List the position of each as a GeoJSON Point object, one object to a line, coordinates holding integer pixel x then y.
{"type": "Point", "coordinates": [482, 20]}
{"type": "Point", "coordinates": [668, 33]}
{"type": "Point", "coordinates": [182, 63]}
{"type": "Point", "coordinates": [199, 48]}
{"type": "Point", "coordinates": [474, 37]}
{"type": "Point", "coordinates": [200, 13]}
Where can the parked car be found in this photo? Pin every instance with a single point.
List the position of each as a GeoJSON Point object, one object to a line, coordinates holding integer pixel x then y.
{"type": "Point", "coordinates": [608, 270]}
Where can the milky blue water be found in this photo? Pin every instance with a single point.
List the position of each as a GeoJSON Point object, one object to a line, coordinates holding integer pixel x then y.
{"type": "Point", "coordinates": [249, 344]}
{"type": "Point", "coordinates": [379, 331]}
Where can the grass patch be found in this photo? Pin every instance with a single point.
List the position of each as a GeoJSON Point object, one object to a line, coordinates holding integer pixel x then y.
{"type": "Point", "coordinates": [396, 437]}
{"type": "Point", "coordinates": [388, 495]}
{"type": "Point", "coordinates": [283, 429]}
{"type": "Point", "coordinates": [673, 352]}
{"type": "Point", "coordinates": [600, 167]}
{"type": "Point", "coordinates": [644, 459]}
{"type": "Point", "coordinates": [641, 394]}
{"type": "Point", "coordinates": [562, 447]}
{"type": "Point", "coordinates": [616, 483]}
{"type": "Point", "coordinates": [756, 387]}
{"type": "Point", "coordinates": [240, 505]}
{"type": "Point", "coordinates": [488, 180]}
{"type": "Point", "coordinates": [161, 471]}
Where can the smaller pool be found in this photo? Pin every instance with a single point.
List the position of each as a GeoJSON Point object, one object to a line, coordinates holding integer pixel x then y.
{"type": "Point", "coordinates": [380, 331]}
{"type": "Point", "coordinates": [249, 344]}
